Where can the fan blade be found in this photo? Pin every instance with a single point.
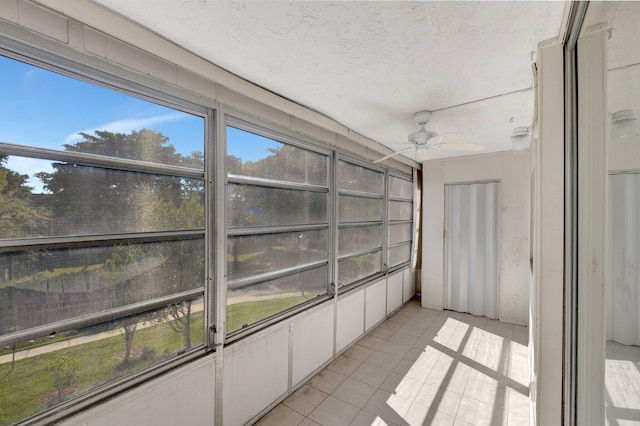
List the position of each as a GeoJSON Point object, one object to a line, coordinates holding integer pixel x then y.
{"type": "Point", "coordinates": [462, 146]}
{"type": "Point", "coordinates": [393, 155]}
{"type": "Point", "coordinates": [445, 138]}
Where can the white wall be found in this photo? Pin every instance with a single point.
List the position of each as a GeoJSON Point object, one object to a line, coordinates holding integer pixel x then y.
{"type": "Point", "coordinates": [182, 397]}
{"type": "Point", "coordinates": [512, 170]}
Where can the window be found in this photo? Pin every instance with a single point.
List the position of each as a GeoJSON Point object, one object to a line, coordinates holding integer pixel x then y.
{"type": "Point", "coordinates": [102, 237]}
{"type": "Point", "coordinates": [400, 220]}
{"type": "Point", "coordinates": [105, 245]}
{"type": "Point", "coordinates": [360, 216]}
{"type": "Point", "coordinates": [277, 225]}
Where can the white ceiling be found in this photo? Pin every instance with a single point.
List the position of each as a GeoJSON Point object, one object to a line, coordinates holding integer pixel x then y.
{"type": "Point", "coordinates": [371, 64]}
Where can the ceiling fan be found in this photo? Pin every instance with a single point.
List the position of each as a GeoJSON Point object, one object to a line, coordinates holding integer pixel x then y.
{"type": "Point", "coordinates": [423, 141]}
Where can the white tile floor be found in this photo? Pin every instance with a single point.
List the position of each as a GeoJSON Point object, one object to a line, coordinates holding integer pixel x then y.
{"type": "Point", "coordinates": [420, 367]}
{"type": "Point", "coordinates": [622, 384]}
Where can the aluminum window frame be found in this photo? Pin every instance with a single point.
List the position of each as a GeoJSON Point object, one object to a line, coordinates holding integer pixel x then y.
{"type": "Point", "coordinates": [246, 123]}
{"type": "Point", "coordinates": [411, 201]}
{"type": "Point", "coordinates": [123, 82]}
{"type": "Point", "coordinates": [348, 225]}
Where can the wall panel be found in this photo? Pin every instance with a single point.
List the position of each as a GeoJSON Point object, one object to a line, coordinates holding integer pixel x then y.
{"type": "Point", "coordinates": [312, 341]}
{"type": "Point", "coordinates": [185, 396]}
{"type": "Point", "coordinates": [408, 285]}
{"type": "Point", "coordinates": [350, 319]}
{"type": "Point", "coordinates": [255, 374]}
{"type": "Point", "coordinates": [375, 303]}
{"type": "Point", "coordinates": [394, 292]}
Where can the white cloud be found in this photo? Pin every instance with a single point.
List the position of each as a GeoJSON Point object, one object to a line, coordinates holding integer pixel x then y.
{"type": "Point", "coordinates": [126, 125]}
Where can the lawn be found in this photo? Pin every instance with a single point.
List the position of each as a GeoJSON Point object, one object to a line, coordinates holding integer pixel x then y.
{"type": "Point", "coordinates": [29, 387]}
{"type": "Point", "coordinates": [240, 315]}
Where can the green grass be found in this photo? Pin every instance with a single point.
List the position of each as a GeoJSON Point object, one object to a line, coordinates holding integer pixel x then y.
{"type": "Point", "coordinates": [245, 313]}
{"type": "Point", "coordinates": [42, 275]}
{"type": "Point", "coordinates": [29, 388]}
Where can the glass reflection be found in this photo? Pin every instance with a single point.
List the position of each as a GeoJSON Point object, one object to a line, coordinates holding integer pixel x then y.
{"type": "Point", "coordinates": [249, 304]}
{"type": "Point", "coordinates": [399, 210]}
{"type": "Point", "coordinates": [256, 156]}
{"type": "Point", "coordinates": [359, 238]}
{"type": "Point", "coordinates": [622, 279]}
{"type": "Point", "coordinates": [354, 268]}
{"type": "Point", "coordinates": [400, 188]}
{"type": "Point", "coordinates": [258, 254]}
{"type": "Point", "coordinates": [357, 178]}
{"type": "Point", "coordinates": [249, 205]}
{"type": "Point", "coordinates": [356, 209]}
{"type": "Point", "coordinates": [38, 287]}
{"type": "Point", "coordinates": [83, 200]}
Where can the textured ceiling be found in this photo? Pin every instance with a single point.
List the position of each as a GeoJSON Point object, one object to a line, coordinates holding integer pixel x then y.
{"type": "Point", "coordinates": [371, 65]}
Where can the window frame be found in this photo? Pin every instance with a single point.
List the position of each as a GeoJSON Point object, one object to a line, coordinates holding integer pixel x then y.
{"type": "Point", "coordinates": [245, 122]}
{"type": "Point", "coordinates": [143, 88]}
{"type": "Point", "coordinates": [348, 225]}
{"type": "Point", "coordinates": [390, 222]}
{"type": "Point", "coordinates": [216, 117]}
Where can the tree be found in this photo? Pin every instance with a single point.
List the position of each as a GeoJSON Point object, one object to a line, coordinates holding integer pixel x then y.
{"type": "Point", "coordinates": [19, 217]}
{"type": "Point", "coordinates": [93, 200]}
{"type": "Point", "coordinates": [252, 205]}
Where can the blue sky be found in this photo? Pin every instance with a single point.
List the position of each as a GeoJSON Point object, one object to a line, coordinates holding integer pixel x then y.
{"type": "Point", "coordinates": [44, 109]}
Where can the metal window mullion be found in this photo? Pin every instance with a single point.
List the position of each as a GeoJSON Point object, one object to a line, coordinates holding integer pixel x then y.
{"type": "Point", "coordinates": [97, 318]}
{"type": "Point", "coordinates": [359, 224]}
{"type": "Point", "coordinates": [385, 221]}
{"type": "Point", "coordinates": [210, 213]}
{"type": "Point", "coordinates": [283, 229]}
{"type": "Point", "coordinates": [359, 253]}
{"type": "Point", "coordinates": [361, 163]}
{"type": "Point", "coordinates": [270, 276]}
{"type": "Point", "coordinates": [97, 240]}
{"type": "Point", "coordinates": [400, 244]}
{"type": "Point", "coordinates": [351, 193]}
{"type": "Point", "coordinates": [100, 161]}
{"type": "Point", "coordinates": [401, 199]}
{"type": "Point", "coordinates": [400, 222]}
{"type": "Point", "coordinates": [273, 183]}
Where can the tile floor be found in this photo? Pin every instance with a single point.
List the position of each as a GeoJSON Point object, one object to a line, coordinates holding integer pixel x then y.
{"type": "Point", "coordinates": [420, 367]}
{"type": "Point", "coordinates": [622, 384]}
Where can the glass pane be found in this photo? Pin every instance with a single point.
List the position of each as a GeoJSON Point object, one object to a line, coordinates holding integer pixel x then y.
{"type": "Point", "coordinates": [356, 209]}
{"type": "Point", "coordinates": [252, 155]}
{"type": "Point", "coordinates": [399, 254]}
{"type": "Point", "coordinates": [253, 303]}
{"type": "Point", "coordinates": [258, 254]}
{"type": "Point", "coordinates": [359, 238]}
{"type": "Point", "coordinates": [39, 287]}
{"type": "Point", "coordinates": [399, 233]}
{"type": "Point", "coordinates": [358, 267]}
{"type": "Point", "coordinates": [73, 363]}
{"type": "Point", "coordinates": [76, 116]}
{"type": "Point", "coordinates": [400, 188]}
{"type": "Point", "coordinates": [399, 210]}
{"type": "Point", "coordinates": [358, 178]}
{"type": "Point", "coordinates": [81, 200]}
{"type": "Point", "coordinates": [249, 205]}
